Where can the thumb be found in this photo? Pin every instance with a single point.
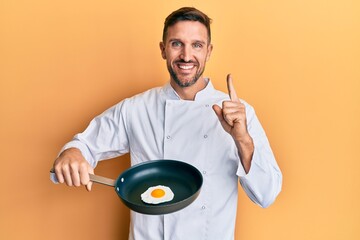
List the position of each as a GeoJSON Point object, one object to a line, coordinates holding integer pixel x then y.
{"type": "Point", "coordinates": [218, 112]}
{"type": "Point", "coordinates": [89, 185]}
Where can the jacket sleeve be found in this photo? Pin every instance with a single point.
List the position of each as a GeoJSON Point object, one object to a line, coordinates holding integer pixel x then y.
{"type": "Point", "coordinates": [263, 182]}
{"type": "Point", "coordinates": [104, 138]}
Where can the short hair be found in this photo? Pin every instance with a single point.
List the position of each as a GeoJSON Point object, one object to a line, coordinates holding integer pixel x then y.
{"type": "Point", "coordinates": [187, 14]}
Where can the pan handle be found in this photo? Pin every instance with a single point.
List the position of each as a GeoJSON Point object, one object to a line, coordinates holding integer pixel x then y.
{"type": "Point", "coordinates": [102, 180]}
{"type": "Point", "coordinates": [94, 178]}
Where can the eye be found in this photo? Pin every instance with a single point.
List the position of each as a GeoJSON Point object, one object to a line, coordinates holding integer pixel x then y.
{"type": "Point", "coordinates": [176, 44]}
{"type": "Point", "coordinates": [197, 45]}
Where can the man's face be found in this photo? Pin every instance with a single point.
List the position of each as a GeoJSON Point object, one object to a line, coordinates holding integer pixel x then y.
{"type": "Point", "coordinates": [186, 50]}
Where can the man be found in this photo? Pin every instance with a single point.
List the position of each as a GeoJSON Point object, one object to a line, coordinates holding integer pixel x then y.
{"type": "Point", "coordinates": [225, 142]}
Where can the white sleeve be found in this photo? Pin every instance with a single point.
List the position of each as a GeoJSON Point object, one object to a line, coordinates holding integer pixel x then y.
{"type": "Point", "coordinates": [263, 182]}
{"type": "Point", "coordinates": [105, 137]}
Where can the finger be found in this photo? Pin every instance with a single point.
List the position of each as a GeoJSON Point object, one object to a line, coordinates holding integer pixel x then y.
{"type": "Point", "coordinates": [89, 185]}
{"type": "Point", "coordinates": [218, 112]}
{"type": "Point", "coordinates": [59, 174]}
{"type": "Point", "coordinates": [233, 117]}
{"type": "Point", "coordinates": [75, 176]}
{"type": "Point", "coordinates": [232, 93]}
{"type": "Point", "coordinates": [67, 175]}
{"type": "Point", "coordinates": [229, 106]}
{"type": "Point", "coordinates": [84, 174]}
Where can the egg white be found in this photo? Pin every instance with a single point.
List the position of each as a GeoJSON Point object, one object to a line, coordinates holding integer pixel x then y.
{"type": "Point", "coordinates": [147, 198]}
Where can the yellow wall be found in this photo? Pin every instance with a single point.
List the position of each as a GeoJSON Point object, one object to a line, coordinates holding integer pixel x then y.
{"type": "Point", "coordinates": [297, 62]}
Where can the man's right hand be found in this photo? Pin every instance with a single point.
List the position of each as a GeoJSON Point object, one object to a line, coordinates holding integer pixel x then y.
{"type": "Point", "coordinates": [72, 168]}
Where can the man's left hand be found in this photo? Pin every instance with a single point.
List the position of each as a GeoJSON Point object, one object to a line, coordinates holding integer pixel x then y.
{"type": "Point", "coordinates": [232, 117]}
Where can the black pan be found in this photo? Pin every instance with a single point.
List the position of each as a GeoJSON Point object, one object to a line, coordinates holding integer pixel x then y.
{"type": "Point", "coordinates": [183, 179]}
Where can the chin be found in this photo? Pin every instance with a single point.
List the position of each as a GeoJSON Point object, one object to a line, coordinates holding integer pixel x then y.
{"type": "Point", "coordinates": [185, 82]}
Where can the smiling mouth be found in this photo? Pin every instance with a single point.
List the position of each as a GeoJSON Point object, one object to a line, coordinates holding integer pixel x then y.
{"type": "Point", "coordinates": [185, 67]}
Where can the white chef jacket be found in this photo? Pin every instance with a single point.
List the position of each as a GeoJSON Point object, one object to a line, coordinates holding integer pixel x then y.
{"type": "Point", "coordinates": [157, 124]}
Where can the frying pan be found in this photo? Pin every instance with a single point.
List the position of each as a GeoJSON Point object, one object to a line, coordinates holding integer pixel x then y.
{"type": "Point", "coordinates": [183, 179]}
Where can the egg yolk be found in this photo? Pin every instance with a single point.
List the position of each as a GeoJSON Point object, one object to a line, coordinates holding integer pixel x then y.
{"type": "Point", "coordinates": [158, 193]}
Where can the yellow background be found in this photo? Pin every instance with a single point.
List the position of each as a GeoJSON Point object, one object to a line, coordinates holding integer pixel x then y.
{"type": "Point", "coordinates": [297, 62]}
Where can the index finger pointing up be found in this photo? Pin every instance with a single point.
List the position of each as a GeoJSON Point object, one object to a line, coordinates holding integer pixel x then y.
{"type": "Point", "coordinates": [232, 93]}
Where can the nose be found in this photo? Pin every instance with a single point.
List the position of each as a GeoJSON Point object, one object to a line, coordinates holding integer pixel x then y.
{"type": "Point", "coordinates": [186, 54]}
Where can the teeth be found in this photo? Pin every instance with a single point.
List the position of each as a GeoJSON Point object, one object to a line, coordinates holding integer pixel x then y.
{"type": "Point", "coordinates": [185, 67]}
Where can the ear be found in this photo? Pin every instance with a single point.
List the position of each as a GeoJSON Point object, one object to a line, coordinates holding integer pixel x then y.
{"type": "Point", "coordinates": [162, 49]}
{"type": "Point", "coordinates": [209, 50]}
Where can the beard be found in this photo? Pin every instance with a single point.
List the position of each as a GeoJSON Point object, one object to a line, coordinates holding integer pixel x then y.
{"type": "Point", "coordinates": [187, 83]}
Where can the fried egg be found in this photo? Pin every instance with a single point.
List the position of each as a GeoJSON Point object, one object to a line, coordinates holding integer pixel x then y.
{"type": "Point", "coordinates": [157, 194]}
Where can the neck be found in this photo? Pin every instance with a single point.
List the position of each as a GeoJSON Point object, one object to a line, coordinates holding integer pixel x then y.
{"type": "Point", "coordinates": [189, 93]}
